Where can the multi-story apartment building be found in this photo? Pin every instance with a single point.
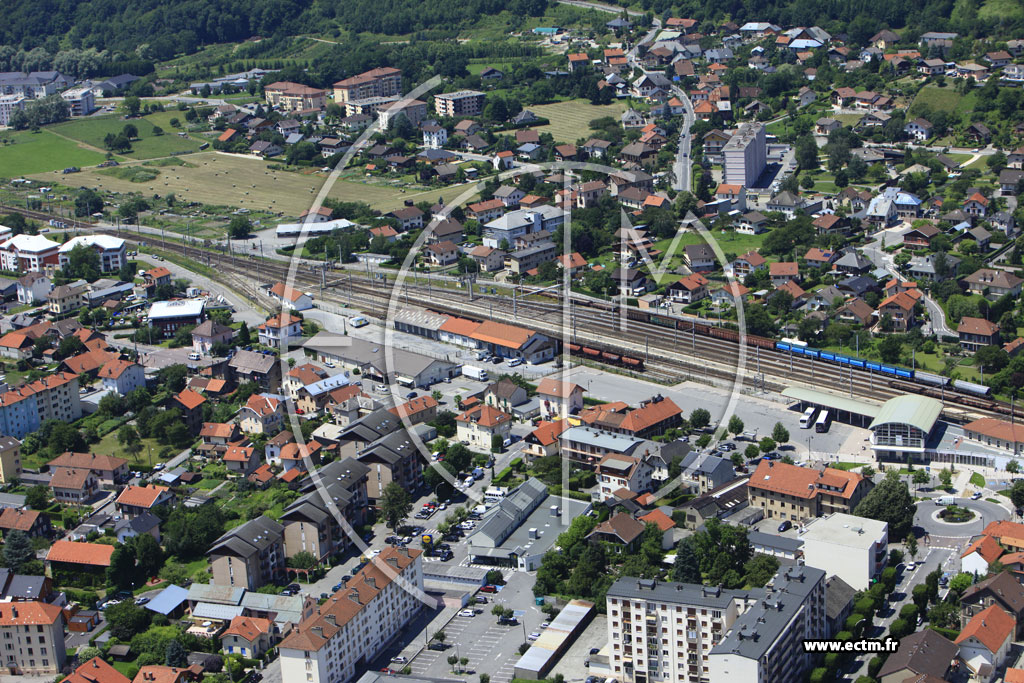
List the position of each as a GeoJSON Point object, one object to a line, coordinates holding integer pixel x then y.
{"type": "Point", "coordinates": [855, 549]}
{"type": "Point", "coordinates": [290, 97]}
{"type": "Point", "coordinates": [32, 634]}
{"type": "Point", "coordinates": [24, 253]}
{"type": "Point", "coordinates": [392, 458]}
{"type": "Point", "coordinates": [112, 251]}
{"type": "Point", "coordinates": [459, 103]}
{"type": "Point", "coordinates": [24, 408]}
{"type": "Point", "coordinates": [663, 631]}
{"type": "Point", "coordinates": [351, 629]}
{"type": "Point", "coordinates": [8, 105]}
{"type": "Point", "coordinates": [746, 155]}
{"type": "Point", "coordinates": [81, 101]}
{"type": "Point", "coordinates": [383, 81]}
{"type": "Point", "coordinates": [309, 522]}
{"type": "Point", "coordinates": [249, 556]}
{"type": "Point", "coordinates": [766, 644]}
{"type": "Point", "coordinates": [788, 492]}
{"type": "Point", "coordinates": [10, 459]}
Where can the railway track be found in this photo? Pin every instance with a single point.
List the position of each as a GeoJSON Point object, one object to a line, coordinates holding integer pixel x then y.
{"type": "Point", "coordinates": [669, 354]}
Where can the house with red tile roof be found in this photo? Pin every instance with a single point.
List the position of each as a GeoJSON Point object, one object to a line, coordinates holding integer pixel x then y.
{"type": "Point", "coordinates": [73, 486]}
{"type": "Point", "coordinates": [290, 298]}
{"type": "Point", "coordinates": [78, 558]}
{"type": "Point", "coordinates": [190, 403]}
{"type": "Point", "coordinates": [261, 414]}
{"type": "Point", "coordinates": [985, 642]}
{"type": "Point", "coordinates": [280, 329]}
{"type": "Point", "coordinates": [982, 552]}
{"type": "Point", "coordinates": [247, 636]}
{"type": "Point", "coordinates": [543, 440]}
{"type": "Point", "coordinates": [559, 399]}
{"type": "Point", "coordinates": [241, 460]}
{"type": "Point", "coordinates": [480, 424]}
{"type": "Point", "coordinates": [135, 500]}
{"type": "Point", "coordinates": [664, 523]}
{"type": "Point", "coordinates": [122, 376]}
{"type": "Point", "coordinates": [108, 469]}
{"type": "Point", "coordinates": [975, 333]}
{"type": "Point", "coordinates": [31, 522]}
{"type": "Point", "coordinates": [157, 673]}
{"type": "Point", "coordinates": [96, 671]}
{"type": "Point", "coordinates": [621, 533]}
{"type": "Point", "coordinates": [416, 410]}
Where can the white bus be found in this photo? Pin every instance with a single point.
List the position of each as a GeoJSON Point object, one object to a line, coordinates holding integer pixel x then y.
{"type": "Point", "coordinates": [807, 419]}
{"type": "Point", "coordinates": [824, 422]}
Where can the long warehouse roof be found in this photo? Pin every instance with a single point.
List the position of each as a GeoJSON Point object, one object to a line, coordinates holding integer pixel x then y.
{"type": "Point", "coordinates": [830, 400]}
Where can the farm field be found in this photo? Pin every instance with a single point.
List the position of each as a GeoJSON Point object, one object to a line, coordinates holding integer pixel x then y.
{"type": "Point", "coordinates": [222, 179]}
{"type": "Point", "coordinates": [41, 152]}
{"type": "Point", "coordinates": [570, 119]}
{"type": "Point", "coordinates": [92, 130]}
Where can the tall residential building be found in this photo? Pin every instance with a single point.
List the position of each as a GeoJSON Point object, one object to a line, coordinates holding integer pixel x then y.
{"type": "Point", "coordinates": [290, 97]}
{"type": "Point", "coordinates": [32, 634]}
{"type": "Point", "coordinates": [686, 633]}
{"type": "Point", "coordinates": [766, 644]}
{"type": "Point", "coordinates": [8, 105]}
{"type": "Point", "coordinates": [25, 253]}
{"type": "Point", "coordinates": [663, 631]}
{"type": "Point", "coordinates": [112, 250]}
{"type": "Point", "coordinates": [10, 459]}
{"type": "Point", "coordinates": [249, 556]}
{"type": "Point", "coordinates": [459, 103]}
{"type": "Point", "coordinates": [855, 549]}
{"type": "Point", "coordinates": [746, 155]}
{"type": "Point", "coordinates": [383, 81]}
{"type": "Point", "coordinates": [351, 629]}
{"type": "Point", "coordinates": [81, 101]}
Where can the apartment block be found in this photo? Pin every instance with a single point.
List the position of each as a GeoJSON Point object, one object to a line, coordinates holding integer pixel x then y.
{"type": "Point", "coordinates": [309, 522]}
{"type": "Point", "coordinates": [766, 644]}
{"type": "Point", "coordinates": [459, 103]}
{"type": "Point", "coordinates": [746, 155]}
{"type": "Point", "coordinates": [855, 549]}
{"type": "Point", "coordinates": [249, 556]}
{"type": "Point", "coordinates": [32, 634]}
{"type": "Point", "coordinates": [24, 408]}
{"type": "Point", "coordinates": [355, 624]}
{"type": "Point", "coordinates": [380, 82]}
{"type": "Point", "coordinates": [8, 105]}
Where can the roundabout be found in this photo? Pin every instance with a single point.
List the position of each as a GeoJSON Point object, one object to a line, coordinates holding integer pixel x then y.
{"type": "Point", "coordinates": [982, 512]}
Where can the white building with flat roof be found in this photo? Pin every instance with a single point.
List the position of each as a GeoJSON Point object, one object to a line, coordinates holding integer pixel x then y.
{"type": "Point", "coordinates": [746, 155]}
{"type": "Point", "coordinates": [82, 101]}
{"type": "Point", "coordinates": [855, 549]}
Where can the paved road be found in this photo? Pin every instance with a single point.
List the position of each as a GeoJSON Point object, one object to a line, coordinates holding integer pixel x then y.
{"type": "Point", "coordinates": [601, 8]}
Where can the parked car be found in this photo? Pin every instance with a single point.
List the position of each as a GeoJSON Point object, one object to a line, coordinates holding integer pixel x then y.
{"type": "Point", "coordinates": [399, 660]}
{"type": "Point", "coordinates": [440, 647]}
{"type": "Point", "coordinates": [785, 526]}
{"type": "Point", "coordinates": [488, 589]}
{"type": "Point", "coordinates": [467, 613]}
{"type": "Point", "coordinates": [533, 636]}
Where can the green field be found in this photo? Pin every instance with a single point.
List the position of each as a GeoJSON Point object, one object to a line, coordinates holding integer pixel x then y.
{"type": "Point", "coordinates": [231, 180]}
{"type": "Point", "coordinates": [570, 120]}
{"type": "Point", "coordinates": [1000, 10]}
{"type": "Point", "coordinates": [41, 152]}
{"type": "Point", "coordinates": [945, 99]}
{"type": "Point", "coordinates": [92, 130]}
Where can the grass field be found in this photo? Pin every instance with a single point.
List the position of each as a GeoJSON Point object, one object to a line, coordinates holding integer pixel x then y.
{"type": "Point", "coordinates": [945, 99]}
{"type": "Point", "coordinates": [92, 130]}
{"type": "Point", "coordinates": [978, 480]}
{"type": "Point", "coordinates": [848, 119]}
{"type": "Point", "coordinates": [570, 119]}
{"type": "Point", "coordinates": [1000, 10]}
{"type": "Point", "coordinates": [221, 179]}
{"type": "Point", "coordinates": [41, 152]}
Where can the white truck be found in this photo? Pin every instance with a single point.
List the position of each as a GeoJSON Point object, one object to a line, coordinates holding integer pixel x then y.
{"type": "Point", "coordinates": [945, 500]}
{"type": "Point", "coordinates": [473, 372]}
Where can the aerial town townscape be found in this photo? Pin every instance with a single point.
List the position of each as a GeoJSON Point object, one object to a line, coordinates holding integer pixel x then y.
{"type": "Point", "coordinates": [509, 342]}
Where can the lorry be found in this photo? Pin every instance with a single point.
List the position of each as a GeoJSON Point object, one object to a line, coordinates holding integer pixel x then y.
{"type": "Point", "coordinates": [945, 500]}
{"type": "Point", "coordinates": [474, 372]}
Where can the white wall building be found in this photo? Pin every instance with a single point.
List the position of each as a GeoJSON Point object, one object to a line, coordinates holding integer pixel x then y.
{"type": "Point", "coordinates": [855, 549]}
{"type": "Point", "coordinates": [112, 250]}
{"type": "Point", "coordinates": [355, 624]}
{"type": "Point", "coordinates": [82, 101]}
{"type": "Point", "coordinates": [8, 105]}
{"type": "Point", "coordinates": [23, 253]}
{"type": "Point", "coordinates": [746, 155]}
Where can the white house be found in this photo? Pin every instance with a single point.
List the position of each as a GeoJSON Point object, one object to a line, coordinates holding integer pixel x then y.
{"type": "Point", "coordinates": [122, 376]}
{"type": "Point", "coordinates": [434, 136]}
{"type": "Point", "coordinates": [919, 129]}
{"type": "Point", "coordinates": [280, 329]}
{"type": "Point", "coordinates": [855, 549]}
{"type": "Point", "coordinates": [112, 250]}
{"type": "Point", "coordinates": [985, 642]}
{"type": "Point", "coordinates": [290, 297]}
{"type": "Point", "coordinates": [559, 399]}
{"type": "Point", "coordinates": [979, 555]}
{"type": "Point", "coordinates": [33, 287]}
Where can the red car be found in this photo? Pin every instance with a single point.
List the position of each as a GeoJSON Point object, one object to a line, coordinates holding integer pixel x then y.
{"type": "Point", "coordinates": [488, 589]}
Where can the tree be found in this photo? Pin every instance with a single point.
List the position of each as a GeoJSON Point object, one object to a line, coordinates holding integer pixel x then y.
{"type": "Point", "coordinates": [780, 433]}
{"type": "Point", "coordinates": [751, 451]}
{"type": "Point", "coordinates": [700, 418]}
{"type": "Point", "coordinates": [767, 445]}
{"type": "Point", "coordinates": [17, 550]}
{"type": "Point", "coordinates": [760, 569]}
{"type": "Point", "coordinates": [130, 131]}
{"type": "Point", "coordinates": [395, 505]}
{"type": "Point", "coordinates": [991, 358]}
{"type": "Point", "coordinates": [890, 502]}
{"type": "Point", "coordinates": [131, 104]}
{"type": "Point", "coordinates": [1017, 493]}
{"type": "Point", "coordinates": [497, 443]}
{"type": "Point", "coordinates": [176, 654]}
{"type": "Point", "coordinates": [912, 545]}
{"type": "Point", "coordinates": [735, 425]}
{"type": "Point", "coordinates": [38, 497]}
{"type": "Point", "coordinates": [83, 262]}
{"type": "Point", "coordinates": [1012, 467]}
{"type": "Point", "coordinates": [961, 582]}
{"type": "Point", "coordinates": [439, 636]}
{"type": "Point", "coordinates": [129, 439]}
{"type": "Point", "coordinates": [687, 566]}
{"type": "Point", "coordinates": [945, 478]}
{"type": "Point", "coordinates": [243, 336]}
{"type": "Point", "coordinates": [126, 619]}
{"type": "Point", "coordinates": [920, 477]}
{"type": "Point", "coordinates": [807, 153]}
{"type": "Point", "coordinates": [239, 228]}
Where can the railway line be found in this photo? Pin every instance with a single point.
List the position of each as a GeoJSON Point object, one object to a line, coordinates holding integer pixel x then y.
{"type": "Point", "coordinates": [669, 355]}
